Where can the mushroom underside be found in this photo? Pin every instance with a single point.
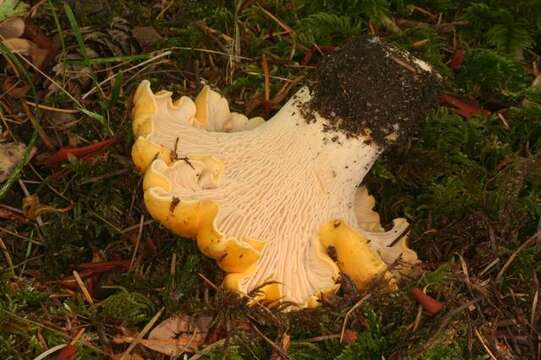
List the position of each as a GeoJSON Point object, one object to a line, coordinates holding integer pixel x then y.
{"type": "Point", "coordinates": [261, 200]}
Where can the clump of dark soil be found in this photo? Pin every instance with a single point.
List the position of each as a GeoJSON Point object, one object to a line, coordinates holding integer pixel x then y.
{"type": "Point", "coordinates": [369, 87]}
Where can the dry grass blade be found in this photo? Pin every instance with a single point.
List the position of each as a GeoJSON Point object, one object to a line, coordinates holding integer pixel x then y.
{"type": "Point", "coordinates": [509, 261]}
{"type": "Point", "coordinates": [142, 334]}
{"type": "Point", "coordinates": [279, 349]}
{"type": "Point", "coordinates": [348, 314]}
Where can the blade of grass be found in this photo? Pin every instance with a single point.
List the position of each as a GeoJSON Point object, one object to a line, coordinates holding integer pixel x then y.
{"type": "Point", "coordinates": [57, 23]}
{"type": "Point", "coordinates": [76, 32]}
{"type": "Point", "coordinates": [109, 60]}
{"type": "Point", "coordinates": [86, 61]}
{"type": "Point", "coordinates": [115, 91]}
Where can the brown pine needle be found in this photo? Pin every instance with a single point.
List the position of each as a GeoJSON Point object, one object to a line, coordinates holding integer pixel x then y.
{"type": "Point", "coordinates": [83, 288]}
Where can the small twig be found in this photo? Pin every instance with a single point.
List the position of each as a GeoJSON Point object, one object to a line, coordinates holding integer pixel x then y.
{"type": "Point", "coordinates": [280, 351]}
{"type": "Point", "coordinates": [483, 342]}
{"type": "Point", "coordinates": [207, 349]}
{"type": "Point", "coordinates": [133, 227]}
{"type": "Point", "coordinates": [83, 288]}
{"type": "Point", "coordinates": [208, 281]}
{"type": "Point", "coordinates": [53, 109]}
{"type": "Point", "coordinates": [142, 334]}
{"type": "Point", "coordinates": [8, 257]}
{"type": "Point", "coordinates": [322, 338]}
{"type": "Point", "coordinates": [348, 314]}
{"type": "Point", "coordinates": [275, 19]}
{"type": "Point", "coordinates": [403, 64]}
{"type": "Point", "coordinates": [42, 134]}
{"type": "Point", "coordinates": [514, 255]}
{"type": "Point", "coordinates": [137, 242]}
{"type": "Point", "coordinates": [112, 77]}
{"type": "Point", "coordinates": [266, 74]}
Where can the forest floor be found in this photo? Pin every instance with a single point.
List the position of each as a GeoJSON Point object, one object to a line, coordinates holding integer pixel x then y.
{"type": "Point", "coordinates": [85, 272]}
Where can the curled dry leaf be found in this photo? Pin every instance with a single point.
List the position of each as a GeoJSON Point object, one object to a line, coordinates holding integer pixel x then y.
{"type": "Point", "coordinates": [33, 208]}
{"type": "Point", "coordinates": [182, 333]}
{"type": "Point", "coordinates": [12, 28]}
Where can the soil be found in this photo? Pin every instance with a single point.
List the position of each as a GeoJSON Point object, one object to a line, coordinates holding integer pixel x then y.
{"type": "Point", "coordinates": [370, 88]}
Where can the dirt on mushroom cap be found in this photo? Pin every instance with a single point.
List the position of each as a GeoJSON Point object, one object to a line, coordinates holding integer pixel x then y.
{"type": "Point", "coordinates": [369, 85]}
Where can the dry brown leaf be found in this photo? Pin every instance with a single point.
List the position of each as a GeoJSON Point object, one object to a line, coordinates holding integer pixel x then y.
{"type": "Point", "coordinates": [10, 155]}
{"type": "Point", "coordinates": [15, 88]}
{"type": "Point", "coordinates": [33, 208]}
{"type": "Point", "coordinates": [12, 28]}
{"type": "Point", "coordinates": [146, 36]}
{"type": "Point", "coordinates": [178, 334]}
{"type": "Point", "coordinates": [20, 46]}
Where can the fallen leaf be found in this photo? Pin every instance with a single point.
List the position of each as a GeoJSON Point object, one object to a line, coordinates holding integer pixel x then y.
{"type": "Point", "coordinates": [67, 353]}
{"type": "Point", "coordinates": [12, 28]}
{"type": "Point", "coordinates": [19, 46]}
{"type": "Point", "coordinates": [146, 36]}
{"type": "Point", "coordinates": [63, 154]}
{"type": "Point", "coordinates": [15, 88]}
{"type": "Point", "coordinates": [9, 214]}
{"type": "Point", "coordinates": [457, 60]}
{"type": "Point", "coordinates": [178, 334]}
{"type": "Point", "coordinates": [462, 107]}
{"type": "Point", "coordinates": [10, 155]}
{"type": "Point", "coordinates": [33, 208]}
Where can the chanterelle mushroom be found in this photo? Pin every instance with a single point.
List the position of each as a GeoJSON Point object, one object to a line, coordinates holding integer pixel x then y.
{"type": "Point", "coordinates": [270, 200]}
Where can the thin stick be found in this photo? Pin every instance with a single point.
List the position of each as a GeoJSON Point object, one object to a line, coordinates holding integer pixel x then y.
{"type": "Point", "coordinates": [483, 342]}
{"type": "Point", "coordinates": [350, 311]}
{"type": "Point", "coordinates": [266, 74]}
{"type": "Point", "coordinates": [142, 334]}
{"type": "Point", "coordinates": [137, 242]}
{"type": "Point", "coordinates": [514, 255]}
{"type": "Point", "coordinates": [83, 288]}
{"type": "Point", "coordinates": [8, 257]}
{"type": "Point", "coordinates": [152, 59]}
{"type": "Point", "coordinates": [275, 19]}
{"type": "Point", "coordinates": [322, 338]}
{"type": "Point", "coordinates": [53, 109]}
{"type": "Point", "coordinates": [280, 351]}
{"type": "Point", "coordinates": [133, 227]}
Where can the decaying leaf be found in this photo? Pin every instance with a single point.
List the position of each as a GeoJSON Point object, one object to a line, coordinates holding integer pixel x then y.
{"type": "Point", "coordinates": [33, 208]}
{"type": "Point", "coordinates": [10, 8]}
{"type": "Point", "coordinates": [146, 36]}
{"type": "Point", "coordinates": [18, 45]}
{"type": "Point", "coordinates": [14, 87]}
{"type": "Point", "coordinates": [12, 28]}
{"type": "Point", "coordinates": [10, 155]}
{"type": "Point", "coordinates": [179, 334]}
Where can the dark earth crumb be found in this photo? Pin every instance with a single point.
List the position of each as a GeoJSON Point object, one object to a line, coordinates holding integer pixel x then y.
{"type": "Point", "coordinates": [365, 85]}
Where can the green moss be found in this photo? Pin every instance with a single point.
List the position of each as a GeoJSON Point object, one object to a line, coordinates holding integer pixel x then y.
{"type": "Point", "coordinates": [128, 307]}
